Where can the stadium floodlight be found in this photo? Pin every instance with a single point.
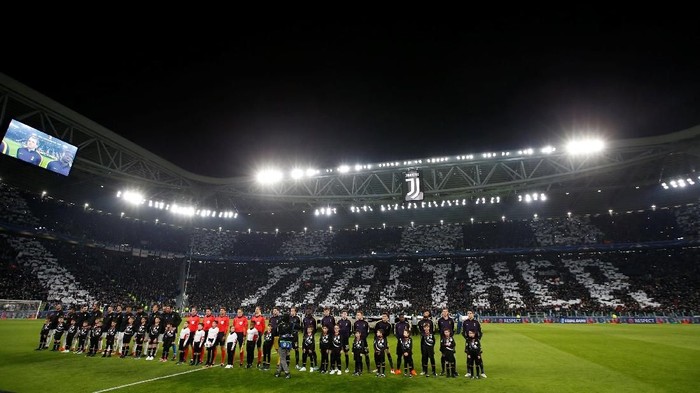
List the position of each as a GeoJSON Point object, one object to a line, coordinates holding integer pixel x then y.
{"type": "Point", "coordinates": [384, 225]}
{"type": "Point", "coordinates": [343, 169]}
{"type": "Point", "coordinates": [568, 214]}
{"type": "Point", "coordinates": [119, 194]}
{"type": "Point", "coordinates": [548, 150]}
{"type": "Point", "coordinates": [653, 207]}
{"type": "Point", "coordinates": [610, 211]}
{"type": "Point", "coordinates": [503, 218]}
{"type": "Point", "coordinates": [297, 173]}
{"type": "Point", "coordinates": [471, 220]}
{"type": "Point", "coordinates": [133, 197]}
{"type": "Point", "coordinates": [585, 146]}
{"type": "Point", "coordinates": [311, 172]}
{"type": "Point", "coordinates": [269, 176]}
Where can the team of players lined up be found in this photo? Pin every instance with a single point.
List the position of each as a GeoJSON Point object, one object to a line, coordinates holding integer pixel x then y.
{"type": "Point", "coordinates": [211, 335]}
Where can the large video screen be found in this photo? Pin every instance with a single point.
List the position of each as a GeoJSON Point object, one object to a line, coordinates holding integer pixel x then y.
{"type": "Point", "coordinates": [37, 148]}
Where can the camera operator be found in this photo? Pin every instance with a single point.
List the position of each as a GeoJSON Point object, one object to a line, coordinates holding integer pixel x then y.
{"type": "Point", "coordinates": [286, 337]}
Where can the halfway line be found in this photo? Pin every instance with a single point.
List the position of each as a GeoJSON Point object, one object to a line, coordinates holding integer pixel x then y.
{"type": "Point", "coordinates": [148, 380]}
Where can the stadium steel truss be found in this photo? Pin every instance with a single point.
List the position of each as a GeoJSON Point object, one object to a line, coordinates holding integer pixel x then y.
{"type": "Point", "coordinates": [105, 155]}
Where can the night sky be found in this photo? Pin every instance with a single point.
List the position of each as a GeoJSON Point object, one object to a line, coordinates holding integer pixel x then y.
{"type": "Point", "coordinates": [327, 93]}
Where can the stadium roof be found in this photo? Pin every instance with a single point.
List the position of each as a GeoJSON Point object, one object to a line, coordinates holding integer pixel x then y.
{"type": "Point", "coordinates": [107, 163]}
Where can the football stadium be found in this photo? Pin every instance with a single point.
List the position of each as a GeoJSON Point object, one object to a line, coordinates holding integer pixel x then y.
{"type": "Point", "coordinates": [529, 268]}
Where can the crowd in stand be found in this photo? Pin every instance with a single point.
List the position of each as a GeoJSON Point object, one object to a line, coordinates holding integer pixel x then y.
{"type": "Point", "coordinates": [86, 224]}
{"type": "Point", "coordinates": [75, 273]}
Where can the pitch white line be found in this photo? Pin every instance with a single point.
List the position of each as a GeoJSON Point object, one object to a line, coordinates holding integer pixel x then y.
{"type": "Point", "coordinates": [148, 380]}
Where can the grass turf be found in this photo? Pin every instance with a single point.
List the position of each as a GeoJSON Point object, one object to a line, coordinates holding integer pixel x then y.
{"type": "Point", "coordinates": [523, 358]}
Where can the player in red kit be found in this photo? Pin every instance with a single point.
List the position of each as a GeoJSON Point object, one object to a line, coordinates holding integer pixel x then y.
{"type": "Point", "coordinates": [223, 322]}
{"type": "Point", "coordinates": [259, 321]}
{"type": "Point", "coordinates": [240, 325]}
{"type": "Point", "coordinates": [192, 323]}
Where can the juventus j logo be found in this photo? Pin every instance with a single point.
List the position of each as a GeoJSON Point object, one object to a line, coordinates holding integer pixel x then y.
{"type": "Point", "coordinates": [414, 193]}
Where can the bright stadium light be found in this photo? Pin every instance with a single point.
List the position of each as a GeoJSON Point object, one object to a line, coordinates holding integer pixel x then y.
{"type": "Point", "coordinates": [343, 169]}
{"type": "Point", "coordinates": [297, 173]}
{"type": "Point", "coordinates": [585, 146]}
{"type": "Point", "coordinates": [133, 197]}
{"type": "Point", "coordinates": [269, 176]}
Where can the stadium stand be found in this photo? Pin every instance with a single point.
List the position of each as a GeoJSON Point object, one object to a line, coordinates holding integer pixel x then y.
{"type": "Point", "coordinates": [142, 263]}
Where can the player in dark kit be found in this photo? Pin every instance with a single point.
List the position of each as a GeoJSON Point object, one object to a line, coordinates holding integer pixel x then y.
{"type": "Point", "coordinates": [274, 321]}
{"type": "Point", "coordinates": [345, 328]}
{"type": "Point", "coordinates": [328, 320]}
{"type": "Point", "coordinates": [295, 322]}
{"type": "Point", "coordinates": [309, 320]}
{"type": "Point", "coordinates": [363, 327]}
{"type": "Point", "coordinates": [81, 316]}
{"type": "Point", "coordinates": [169, 316]}
{"type": "Point", "coordinates": [380, 348]}
{"type": "Point", "coordinates": [474, 356]}
{"type": "Point", "coordinates": [54, 315]}
{"type": "Point", "coordinates": [385, 326]}
{"type": "Point", "coordinates": [445, 323]}
{"type": "Point", "coordinates": [471, 323]}
{"type": "Point", "coordinates": [426, 321]}
{"type": "Point", "coordinates": [400, 327]}
{"type": "Point", "coordinates": [427, 349]}
{"type": "Point", "coordinates": [447, 347]}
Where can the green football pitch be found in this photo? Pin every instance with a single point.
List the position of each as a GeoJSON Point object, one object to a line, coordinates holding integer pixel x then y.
{"type": "Point", "coordinates": [522, 358]}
